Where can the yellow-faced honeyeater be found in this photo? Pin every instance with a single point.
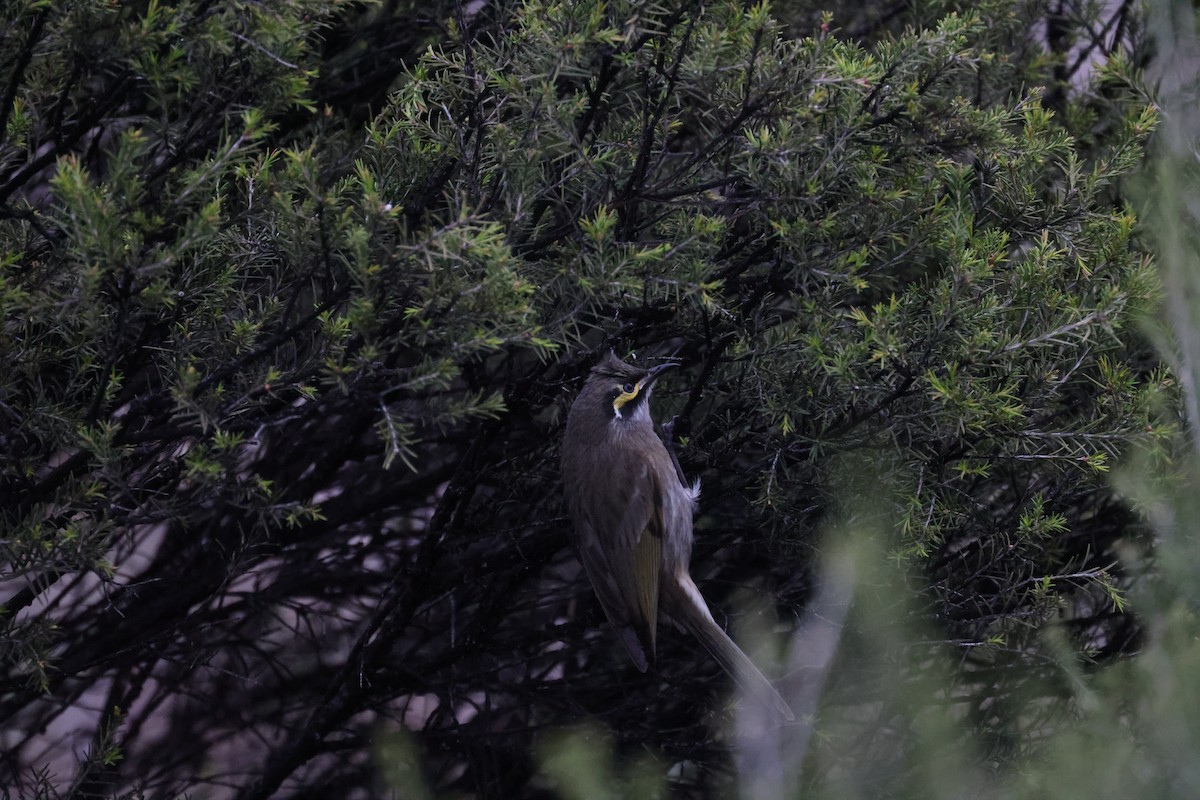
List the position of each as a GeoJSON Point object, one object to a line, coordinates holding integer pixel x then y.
{"type": "Point", "coordinates": [633, 521]}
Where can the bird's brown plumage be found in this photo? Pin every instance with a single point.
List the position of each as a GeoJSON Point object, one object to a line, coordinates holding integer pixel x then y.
{"type": "Point", "coordinates": [633, 521]}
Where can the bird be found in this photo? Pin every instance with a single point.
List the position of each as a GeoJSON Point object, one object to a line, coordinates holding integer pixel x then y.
{"type": "Point", "coordinates": [632, 513]}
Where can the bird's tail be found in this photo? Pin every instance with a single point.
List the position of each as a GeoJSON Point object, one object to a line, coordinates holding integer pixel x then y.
{"type": "Point", "coordinates": [686, 606]}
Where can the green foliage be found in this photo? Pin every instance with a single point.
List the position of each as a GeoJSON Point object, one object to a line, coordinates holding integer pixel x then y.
{"type": "Point", "coordinates": [291, 312]}
{"type": "Point", "coordinates": [579, 764]}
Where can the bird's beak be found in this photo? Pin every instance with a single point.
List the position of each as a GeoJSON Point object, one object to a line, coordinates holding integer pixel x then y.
{"type": "Point", "coordinates": [654, 372]}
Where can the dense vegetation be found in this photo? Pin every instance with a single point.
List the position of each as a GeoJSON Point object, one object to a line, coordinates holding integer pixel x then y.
{"type": "Point", "coordinates": [296, 294]}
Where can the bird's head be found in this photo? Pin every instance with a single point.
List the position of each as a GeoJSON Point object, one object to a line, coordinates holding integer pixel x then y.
{"type": "Point", "coordinates": [623, 390]}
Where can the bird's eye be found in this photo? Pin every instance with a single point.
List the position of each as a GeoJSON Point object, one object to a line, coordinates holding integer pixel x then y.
{"type": "Point", "coordinates": [627, 388]}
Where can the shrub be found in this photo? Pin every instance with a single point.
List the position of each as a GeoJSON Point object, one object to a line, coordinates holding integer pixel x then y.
{"type": "Point", "coordinates": [284, 386]}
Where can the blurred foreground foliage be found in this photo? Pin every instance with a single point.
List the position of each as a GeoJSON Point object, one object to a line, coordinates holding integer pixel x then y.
{"type": "Point", "coordinates": [295, 296]}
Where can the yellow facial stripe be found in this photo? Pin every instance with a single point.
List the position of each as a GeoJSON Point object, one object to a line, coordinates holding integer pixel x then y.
{"type": "Point", "coordinates": [624, 397]}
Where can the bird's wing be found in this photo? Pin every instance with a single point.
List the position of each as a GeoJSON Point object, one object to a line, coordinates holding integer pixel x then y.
{"type": "Point", "coordinates": [623, 561]}
{"type": "Point", "coordinates": [646, 532]}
